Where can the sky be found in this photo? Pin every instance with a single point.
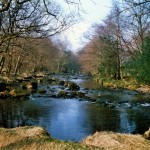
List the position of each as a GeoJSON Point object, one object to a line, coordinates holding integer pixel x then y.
{"type": "Point", "coordinates": [96, 11]}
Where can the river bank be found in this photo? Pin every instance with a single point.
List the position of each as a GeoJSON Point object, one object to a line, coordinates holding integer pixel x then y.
{"type": "Point", "coordinates": [127, 83]}
{"type": "Point", "coordinates": [75, 107]}
{"type": "Point", "coordinates": [37, 138]}
{"type": "Point", "coordinates": [25, 85]}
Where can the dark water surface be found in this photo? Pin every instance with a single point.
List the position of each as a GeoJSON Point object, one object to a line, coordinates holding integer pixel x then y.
{"type": "Point", "coordinates": [73, 119]}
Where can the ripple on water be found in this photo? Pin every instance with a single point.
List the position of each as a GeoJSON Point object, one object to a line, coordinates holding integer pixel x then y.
{"type": "Point", "coordinates": [146, 105]}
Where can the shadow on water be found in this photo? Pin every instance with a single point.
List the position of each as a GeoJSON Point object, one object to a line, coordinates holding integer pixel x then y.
{"type": "Point", "coordinates": [72, 119]}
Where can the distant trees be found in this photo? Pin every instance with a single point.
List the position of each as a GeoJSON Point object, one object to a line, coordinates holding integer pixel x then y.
{"type": "Point", "coordinates": [30, 56]}
{"type": "Point", "coordinates": [107, 46]}
{"type": "Point", "coordinates": [67, 61]}
{"type": "Point", "coordinates": [70, 63]}
{"type": "Point", "coordinates": [118, 40]}
{"type": "Point", "coordinates": [21, 21]}
{"type": "Point", "coordinates": [89, 57]}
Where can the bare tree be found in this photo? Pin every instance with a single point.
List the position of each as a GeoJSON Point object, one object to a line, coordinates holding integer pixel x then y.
{"type": "Point", "coordinates": [137, 13]}
{"type": "Point", "coordinates": [31, 18]}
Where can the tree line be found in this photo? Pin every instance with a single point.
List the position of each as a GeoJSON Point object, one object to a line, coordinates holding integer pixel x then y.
{"type": "Point", "coordinates": [26, 28]}
{"type": "Point", "coordinates": [119, 46]}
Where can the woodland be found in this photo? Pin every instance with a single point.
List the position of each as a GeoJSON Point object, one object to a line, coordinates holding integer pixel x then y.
{"type": "Point", "coordinates": [42, 79]}
{"type": "Point", "coordinates": [117, 48]}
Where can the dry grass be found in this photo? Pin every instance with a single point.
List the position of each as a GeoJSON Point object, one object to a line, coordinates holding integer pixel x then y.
{"type": "Point", "coordinates": [130, 84]}
{"type": "Point", "coordinates": [33, 138]}
{"type": "Point", "coordinates": [36, 138]}
{"type": "Point", "coordinates": [116, 141]}
{"type": "Point", "coordinates": [127, 84]}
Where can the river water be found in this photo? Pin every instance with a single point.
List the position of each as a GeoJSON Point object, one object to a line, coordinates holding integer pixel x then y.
{"type": "Point", "coordinates": [74, 119]}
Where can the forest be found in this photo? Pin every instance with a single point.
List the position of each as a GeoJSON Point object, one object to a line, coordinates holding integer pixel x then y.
{"type": "Point", "coordinates": [52, 97]}
{"type": "Point", "coordinates": [117, 48]}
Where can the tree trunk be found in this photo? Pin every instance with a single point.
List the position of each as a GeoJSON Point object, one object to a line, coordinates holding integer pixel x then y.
{"type": "Point", "coordinates": [2, 61]}
{"type": "Point", "coordinates": [17, 65]}
{"type": "Point", "coordinates": [10, 65]}
{"type": "Point", "coordinates": [2, 58]}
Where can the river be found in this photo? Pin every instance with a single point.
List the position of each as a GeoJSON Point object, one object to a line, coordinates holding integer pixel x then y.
{"type": "Point", "coordinates": [74, 119]}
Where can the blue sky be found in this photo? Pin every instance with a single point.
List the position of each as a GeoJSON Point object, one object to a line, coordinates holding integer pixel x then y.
{"type": "Point", "coordinates": [96, 11]}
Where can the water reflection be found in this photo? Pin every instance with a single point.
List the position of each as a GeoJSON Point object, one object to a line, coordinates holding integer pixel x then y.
{"type": "Point", "coordinates": [126, 125]}
{"type": "Point", "coordinates": [71, 119]}
{"type": "Point", "coordinates": [11, 114]}
{"type": "Point", "coordinates": [15, 113]}
{"type": "Point", "coordinates": [87, 83]}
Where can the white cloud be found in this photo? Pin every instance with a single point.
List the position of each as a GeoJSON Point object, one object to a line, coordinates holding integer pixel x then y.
{"type": "Point", "coordinates": [75, 33]}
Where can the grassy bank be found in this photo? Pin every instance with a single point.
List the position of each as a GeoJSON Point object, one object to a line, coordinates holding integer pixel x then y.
{"type": "Point", "coordinates": [36, 138]}
{"type": "Point", "coordinates": [117, 141]}
{"type": "Point", "coordinates": [33, 138]}
{"type": "Point", "coordinates": [127, 83]}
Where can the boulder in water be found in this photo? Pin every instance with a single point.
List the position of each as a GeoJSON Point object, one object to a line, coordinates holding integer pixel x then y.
{"type": "Point", "coordinates": [72, 86]}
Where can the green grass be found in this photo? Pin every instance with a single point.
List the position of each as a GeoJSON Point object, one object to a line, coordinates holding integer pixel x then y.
{"type": "Point", "coordinates": [127, 84]}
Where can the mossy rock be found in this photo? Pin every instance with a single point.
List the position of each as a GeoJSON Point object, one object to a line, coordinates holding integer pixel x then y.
{"type": "Point", "coordinates": [62, 94]}
{"type": "Point", "coordinates": [72, 86]}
